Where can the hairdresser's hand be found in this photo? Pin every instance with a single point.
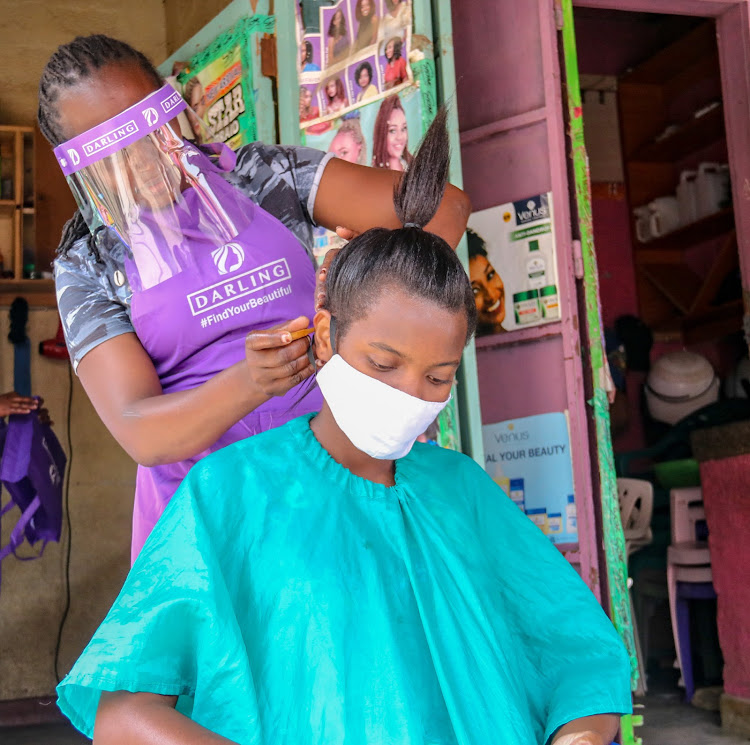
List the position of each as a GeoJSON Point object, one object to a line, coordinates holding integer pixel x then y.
{"type": "Point", "coordinates": [320, 289]}
{"type": "Point", "coordinates": [14, 403]}
{"type": "Point", "coordinates": [276, 363]}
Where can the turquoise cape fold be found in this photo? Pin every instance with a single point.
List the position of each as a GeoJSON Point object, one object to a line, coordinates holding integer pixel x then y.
{"type": "Point", "coordinates": [287, 601]}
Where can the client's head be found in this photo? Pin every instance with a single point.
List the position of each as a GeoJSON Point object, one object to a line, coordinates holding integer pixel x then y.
{"type": "Point", "coordinates": [399, 306]}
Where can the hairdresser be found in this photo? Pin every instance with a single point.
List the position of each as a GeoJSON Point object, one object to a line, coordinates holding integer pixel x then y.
{"type": "Point", "coordinates": [185, 282]}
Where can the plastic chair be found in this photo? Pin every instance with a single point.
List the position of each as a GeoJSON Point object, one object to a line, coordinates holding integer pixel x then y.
{"type": "Point", "coordinates": [689, 574]}
{"type": "Point", "coordinates": [636, 498]}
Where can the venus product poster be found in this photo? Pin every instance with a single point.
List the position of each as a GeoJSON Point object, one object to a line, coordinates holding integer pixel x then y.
{"type": "Point", "coordinates": [513, 265]}
{"type": "Point", "coordinates": [529, 459]}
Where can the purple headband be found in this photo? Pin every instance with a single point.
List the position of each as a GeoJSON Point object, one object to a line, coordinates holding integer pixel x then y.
{"type": "Point", "coordinates": [130, 125]}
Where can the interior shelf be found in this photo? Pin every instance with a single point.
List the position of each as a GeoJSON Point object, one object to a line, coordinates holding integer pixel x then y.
{"type": "Point", "coordinates": [711, 226]}
{"type": "Point", "coordinates": [692, 136]}
{"type": "Point", "coordinates": [519, 336]}
{"type": "Point", "coordinates": [40, 292]}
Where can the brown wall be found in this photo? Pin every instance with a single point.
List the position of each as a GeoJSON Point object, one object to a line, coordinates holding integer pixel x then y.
{"type": "Point", "coordinates": [102, 476]}
{"type": "Point", "coordinates": [186, 17]}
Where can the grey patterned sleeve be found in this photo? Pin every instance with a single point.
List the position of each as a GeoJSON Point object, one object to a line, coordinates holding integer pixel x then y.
{"type": "Point", "coordinates": [283, 180]}
{"type": "Point", "coordinates": [90, 313]}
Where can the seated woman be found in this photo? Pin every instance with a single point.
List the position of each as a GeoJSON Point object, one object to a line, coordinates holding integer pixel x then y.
{"type": "Point", "coordinates": [357, 587]}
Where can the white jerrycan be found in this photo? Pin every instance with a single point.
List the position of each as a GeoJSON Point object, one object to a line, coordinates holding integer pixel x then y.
{"type": "Point", "coordinates": [687, 197]}
{"type": "Point", "coordinates": [709, 189]}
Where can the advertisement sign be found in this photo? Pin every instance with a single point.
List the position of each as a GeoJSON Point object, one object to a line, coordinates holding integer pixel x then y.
{"type": "Point", "coordinates": [513, 265]}
{"type": "Point", "coordinates": [217, 85]}
{"type": "Point", "coordinates": [529, 458]}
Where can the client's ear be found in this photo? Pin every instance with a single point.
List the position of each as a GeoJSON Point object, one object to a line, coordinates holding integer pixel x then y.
{"type": "Point", "coordinates": [322, 323]}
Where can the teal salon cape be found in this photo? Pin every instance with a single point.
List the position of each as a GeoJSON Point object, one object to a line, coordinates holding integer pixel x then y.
{"type": "Point", "coordinates": [287, 601]}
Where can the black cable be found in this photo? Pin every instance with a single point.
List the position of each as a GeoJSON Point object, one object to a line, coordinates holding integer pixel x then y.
{"type": "Point", "coordinates": [66, 510]}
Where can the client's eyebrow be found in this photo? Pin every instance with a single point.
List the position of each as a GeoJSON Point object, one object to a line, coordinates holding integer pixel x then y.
{"type": "Point", "coordinates": [386, 348]}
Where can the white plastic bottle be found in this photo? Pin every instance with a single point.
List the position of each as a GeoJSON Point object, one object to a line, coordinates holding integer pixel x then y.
{"type": "Point", "coordinates": [571, 517]}
{"type": "Point", "coordinates": [536, 268]}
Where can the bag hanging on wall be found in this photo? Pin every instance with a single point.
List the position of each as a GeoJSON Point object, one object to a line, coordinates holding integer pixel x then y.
{"type": "Point", "coordinates": [32, 470]}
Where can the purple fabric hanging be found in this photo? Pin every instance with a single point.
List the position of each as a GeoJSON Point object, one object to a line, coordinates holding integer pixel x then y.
{"type": "Point", "coordinates": [32, 470]}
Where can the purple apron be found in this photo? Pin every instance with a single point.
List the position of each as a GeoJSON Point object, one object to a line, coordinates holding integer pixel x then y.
{"type": "Point", "coordinates": [192, 306]}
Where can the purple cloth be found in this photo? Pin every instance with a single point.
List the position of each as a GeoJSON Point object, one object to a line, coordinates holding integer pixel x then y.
{"type": "Point", "coordinates": [193, 322]}
{"type": "Point", "coordinates": [32, 470]}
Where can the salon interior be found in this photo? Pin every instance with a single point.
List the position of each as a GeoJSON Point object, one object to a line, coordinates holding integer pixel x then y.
{"type": "Point", "coordinates": [604, 147]}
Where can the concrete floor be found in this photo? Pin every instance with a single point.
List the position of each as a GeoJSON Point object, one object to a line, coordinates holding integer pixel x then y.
{"type": "Point", "coordinates": [668, 721]}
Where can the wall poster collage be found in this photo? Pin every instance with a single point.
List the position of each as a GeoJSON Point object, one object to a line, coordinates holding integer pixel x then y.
{"type": "Point", "coordinates": [357, 95]}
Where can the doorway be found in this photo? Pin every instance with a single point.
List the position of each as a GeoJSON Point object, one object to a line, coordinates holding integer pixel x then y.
{"type": "Point", "coordinates": [666, 246]}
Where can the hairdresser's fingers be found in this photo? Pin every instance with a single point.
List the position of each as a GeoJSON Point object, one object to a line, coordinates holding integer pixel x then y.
{"type": "Point", "coordinates": [276, 336]}
{"type": "Point", "coordinates": [44, 417]}
{"type": "Point", "coordinates": [277, 381]}
{"type": "Point", "coordinates": [320, 284]}
{"type": "Point", "coordinates": [346, 233]}
{"type": "Point", "coordinates": [276, 358]}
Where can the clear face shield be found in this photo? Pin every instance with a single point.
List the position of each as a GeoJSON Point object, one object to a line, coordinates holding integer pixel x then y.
{"type": "Point", "coordinates": [135, 176]}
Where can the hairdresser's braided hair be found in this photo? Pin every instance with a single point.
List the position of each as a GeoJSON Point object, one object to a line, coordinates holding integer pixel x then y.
{"type": "Point", "coordinates": [410, 258]}
{"type": "Point", "coordinates": [70, 65]}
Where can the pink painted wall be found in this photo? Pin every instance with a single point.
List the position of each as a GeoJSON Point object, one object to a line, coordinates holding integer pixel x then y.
{"type": "Point", "coordinates": [728, 514]}
{"type": "Point", "coordinates": [614, 256]}
{"type": "Point", "coordinates": [519, 381]}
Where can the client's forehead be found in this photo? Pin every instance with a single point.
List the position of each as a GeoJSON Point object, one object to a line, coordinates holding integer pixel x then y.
{"type": "Point", "coordinates": [413, 326]}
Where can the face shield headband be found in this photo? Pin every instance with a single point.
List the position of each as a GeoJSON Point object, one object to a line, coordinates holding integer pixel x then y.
{"type": "Point", "coordinates": [137, 178]}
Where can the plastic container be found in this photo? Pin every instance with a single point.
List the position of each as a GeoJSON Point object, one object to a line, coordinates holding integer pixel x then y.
{"type": "Point", "coordinates": [687, 197]}
{"type": "Point", "coordinates": [710, 189]}
{"type": "Point", "coordinates": [677, 474]}
{"type": "Point", "coordinates": [526, 307]}
{"type": "Point", "coordinates": [555, 523]}
{"type": "Point", "coordinates": [549, 301]}
{"type": "Point", "coordinates": [538, 516]}
{"type": "Point", "coordinates": [536, 269]}
{"type": "Point", "coordinates": [571, 516]}
{"type": "Point", "coordinates": [665, 216]}
{"type": "Point", "coordinates": [678, 384]}
{"type": "Point", "coordinates": [518, 493]}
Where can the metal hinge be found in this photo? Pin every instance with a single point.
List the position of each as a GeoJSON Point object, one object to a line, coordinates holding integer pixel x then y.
{"type": "Point", "coordinates": [559, 15]}
{"type": "Point", "coordinates": [577, 259]}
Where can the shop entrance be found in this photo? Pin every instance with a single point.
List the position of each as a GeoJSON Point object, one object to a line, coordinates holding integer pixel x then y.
{"type": "Point", "coordinates": [669, 273]}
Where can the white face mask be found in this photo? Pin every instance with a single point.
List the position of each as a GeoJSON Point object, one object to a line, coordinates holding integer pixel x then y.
{"type": "Point", "coordinates": [379, 420]}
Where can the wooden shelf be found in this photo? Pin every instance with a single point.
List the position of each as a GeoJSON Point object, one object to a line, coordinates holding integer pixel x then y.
{"type": "Point", "coordinates": [705, 229]}
{"type": "Point", "coordinates": [692, 136]}
{"type": "Point", "coordinates": [8, 203]}
{"type": "Point", "coordinates": [39, 292]}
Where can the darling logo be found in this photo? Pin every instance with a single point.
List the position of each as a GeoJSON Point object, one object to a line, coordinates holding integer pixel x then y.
{"type": "Point", "coordinates": [174, 100]}
{"type": "Point", "coordinates": [75, 159]}
{"type": "Point", "coordinates": [111, 138]}
{"type": "Point", "coordinates": [151, 116]}
{"type": "Point", "coordinates": [530, 210]}
{"type": "Point", "coordinates": [229, 258]}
